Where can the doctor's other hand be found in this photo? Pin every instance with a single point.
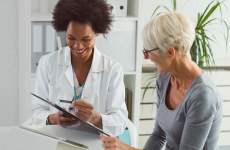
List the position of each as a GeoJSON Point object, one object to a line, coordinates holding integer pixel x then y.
{"type": "Point", "coordinates": [84, 110]}
{"type": "Point", "coordinates": [61, 119]}
{"type": "Point", "coordinates": [113, 143]}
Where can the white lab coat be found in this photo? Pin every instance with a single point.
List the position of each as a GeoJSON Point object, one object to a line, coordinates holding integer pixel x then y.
{"type": "Point", "coordinates": [104, 88]}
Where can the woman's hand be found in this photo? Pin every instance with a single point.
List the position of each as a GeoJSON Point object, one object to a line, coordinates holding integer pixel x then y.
{"type": "Point", "coordinates": [61, 119]}
{"type": "Point", "coordinates": [85, 111]}
{"type": "Point", "coordinates": [113, 143]}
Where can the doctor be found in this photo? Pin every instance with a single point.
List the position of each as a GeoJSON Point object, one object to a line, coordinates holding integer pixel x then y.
{"type": "Point", "coordinates": [80, 73]}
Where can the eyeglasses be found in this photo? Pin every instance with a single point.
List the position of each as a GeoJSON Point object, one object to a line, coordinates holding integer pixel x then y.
{"type": "Point", "coordinates": [145, 52]}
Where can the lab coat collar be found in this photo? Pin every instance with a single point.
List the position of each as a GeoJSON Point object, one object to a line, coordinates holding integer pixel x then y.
{"type": "Point", "coordinates": [65, 57]}
{"type": "Point", "coordinates": [97, 63]}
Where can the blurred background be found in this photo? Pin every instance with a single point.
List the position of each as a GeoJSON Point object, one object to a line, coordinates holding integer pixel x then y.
{"type": "Point", "coordinates": [26, 34]}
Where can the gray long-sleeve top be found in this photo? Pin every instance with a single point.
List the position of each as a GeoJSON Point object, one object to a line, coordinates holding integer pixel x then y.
{"type": "Point", "coordinates": [194, 124]}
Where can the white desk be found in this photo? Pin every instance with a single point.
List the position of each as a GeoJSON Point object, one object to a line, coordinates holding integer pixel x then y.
{"type": "Point", "coordinates": [77, 134]}
{"type": "Point", "coordinates": [4, 132]}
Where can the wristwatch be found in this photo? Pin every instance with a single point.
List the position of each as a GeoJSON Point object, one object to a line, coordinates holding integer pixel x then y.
{"type": "Point", "coordinates": [47, 121]}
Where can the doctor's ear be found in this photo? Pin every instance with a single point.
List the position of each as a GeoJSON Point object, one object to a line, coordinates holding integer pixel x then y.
{"type": "Point", "coordinates": [97, 34]}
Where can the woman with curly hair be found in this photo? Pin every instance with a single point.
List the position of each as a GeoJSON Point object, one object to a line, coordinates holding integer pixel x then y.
{"type": "Point", "coordinates": [79, 72]}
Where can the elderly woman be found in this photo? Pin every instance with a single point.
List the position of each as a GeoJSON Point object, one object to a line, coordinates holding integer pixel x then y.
{"type": "Point", "coordinates": [189, 106]}
{"type": "Point", "coordinates": [80, 73]}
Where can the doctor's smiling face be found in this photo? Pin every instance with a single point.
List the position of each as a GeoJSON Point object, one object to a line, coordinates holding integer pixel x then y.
{"type": "Point", "coordinates": [81, 39]}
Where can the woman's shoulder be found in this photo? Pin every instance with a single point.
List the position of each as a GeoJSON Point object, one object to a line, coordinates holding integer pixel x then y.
{"type": "Point", "coordinates": [53, 58]}
{"type": "Point", "coordinates": [205, 92]}
{"type": "Point", "coordinates": [203, 84]}
{"type": "Point", "coordinates": [108, 60]}
{"type": "Point", "coordinates": [110, 64]}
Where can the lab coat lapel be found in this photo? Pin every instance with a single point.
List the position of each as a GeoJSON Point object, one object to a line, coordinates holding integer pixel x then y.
{"type": "Point", "coordinates": [89, 82]}
{"type": "Point", "coordinates": [65, 60]}
{"type": "Point", "coordinates": [69, 75]}
{"type": "Point", "coordinates": [96, 67]}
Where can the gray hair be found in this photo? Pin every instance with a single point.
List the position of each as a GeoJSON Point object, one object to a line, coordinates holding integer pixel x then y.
{"type": "Point", "coordinates": [169, 30]}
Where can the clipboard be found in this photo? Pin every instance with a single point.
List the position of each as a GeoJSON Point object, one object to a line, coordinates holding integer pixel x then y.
{"type": "Point", "coordinates": [87, 124]}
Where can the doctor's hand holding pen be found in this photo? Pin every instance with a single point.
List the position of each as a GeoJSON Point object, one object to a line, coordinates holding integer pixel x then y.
{"type": "Point", "coordinates": [85, 111]}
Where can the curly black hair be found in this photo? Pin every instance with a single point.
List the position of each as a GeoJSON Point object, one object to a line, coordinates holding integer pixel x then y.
{"type": "Point", "coordinates": [96, 13]}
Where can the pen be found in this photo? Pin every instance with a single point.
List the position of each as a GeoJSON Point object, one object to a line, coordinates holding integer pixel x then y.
{"type": "Point", "coordinates": [66, 101]}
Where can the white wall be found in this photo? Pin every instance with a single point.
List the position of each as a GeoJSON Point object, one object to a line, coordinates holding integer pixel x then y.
{"type": "Point", "coordinates": [8, 63]}
{"type": "Point", "coordinates": [191, 9]}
